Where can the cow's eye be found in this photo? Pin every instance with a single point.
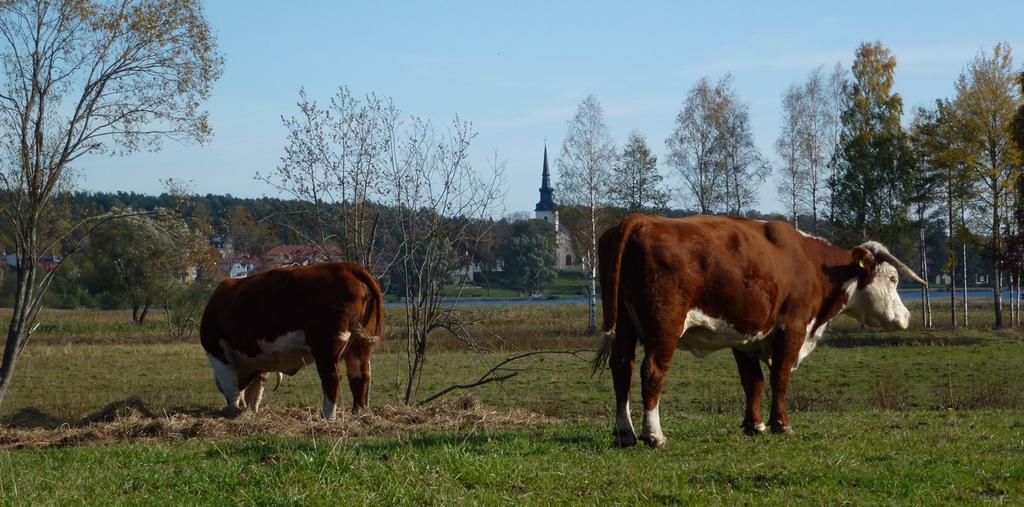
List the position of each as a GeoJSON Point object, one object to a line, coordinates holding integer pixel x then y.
{"type": "Point", "coordinates": [892, 279]}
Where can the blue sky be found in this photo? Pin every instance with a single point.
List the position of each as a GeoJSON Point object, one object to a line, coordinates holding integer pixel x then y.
{"type": "Point", "coordinates": [517, 70]}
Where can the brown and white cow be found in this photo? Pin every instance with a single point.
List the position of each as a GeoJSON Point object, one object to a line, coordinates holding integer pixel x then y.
{"type": "Point", "coordinates": [283, 319]}
{"type": "Point", "coordinates": [703, 283]}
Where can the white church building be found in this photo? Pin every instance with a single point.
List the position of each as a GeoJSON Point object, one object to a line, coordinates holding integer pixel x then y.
{"type": "Point", "coordinates": [547, 210]}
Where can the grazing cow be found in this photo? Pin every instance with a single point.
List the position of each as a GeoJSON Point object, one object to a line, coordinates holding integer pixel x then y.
{"type": "Point", "coordinates": [283, 319]}
{"type": "Point", "coordinates": [704, 283]}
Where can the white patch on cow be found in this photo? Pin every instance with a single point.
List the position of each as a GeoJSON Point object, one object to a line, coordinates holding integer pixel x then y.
{"type": "Point", "coordinates": [287, 342]}
{"type": "Point", "coordinates": [849, 287]}
{"type": "Point", "coordinates": [288, 353]}
{"type": "Point", "coordinates": [810, 341]}
{"type": "Point", "coordinates": [329, 409]}
{"type": "Point", "coordinates": [227, 381]}
{"type": "Point", "coordinates": [703, 334]}
{"type": "Point", "coordinates": [806, 235]}
{"type": "Point", "coordinates": [760, 427]}
{"type": "Point", "coordinates": [652, 427]}
{"type": "Point", "coordinates": [623, 422]}
{"type": "Point", "coordinates": [344, 336]}
{"type": "Point", "coordinates": [879, 304]}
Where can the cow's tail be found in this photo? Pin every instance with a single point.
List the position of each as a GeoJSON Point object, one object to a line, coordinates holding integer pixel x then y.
{"type": "Point", "coordinates": [370, 328]}
{"type": "Point", "coordinates": [612, 245]}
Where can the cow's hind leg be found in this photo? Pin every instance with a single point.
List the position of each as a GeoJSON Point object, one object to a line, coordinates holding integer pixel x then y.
{"type": "Point", "coordinates": [357, 362]}
{"type": "Point", "coordinates": [253, 394]}
{"type": "Point", "coordinates": [784, 357]}
{"type": "Point", "coordinates": [753, 385]}
{"type": "Point", "coordinates": [621, 361]}
{"type": "Point", "coordinates": [657, 359]}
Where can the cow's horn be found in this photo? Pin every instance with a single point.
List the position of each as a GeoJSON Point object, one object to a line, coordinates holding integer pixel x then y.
{"type": "Point", "coordinates": [280, 377]}
{"type": "Point", "coordinates": [888, 257]}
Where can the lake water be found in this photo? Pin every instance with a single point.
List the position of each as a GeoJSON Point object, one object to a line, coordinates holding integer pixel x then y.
{"type": "Point", "coordinates": [578, 300]}
{"type": "Point", "coordinates": [915, 294]}
{"type": "Point", "coordinates": [905, 294]}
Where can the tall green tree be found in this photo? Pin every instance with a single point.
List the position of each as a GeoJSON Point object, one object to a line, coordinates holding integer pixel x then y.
{"type": "Point", "coordinates": [874, 168]}
{"type": "Point", "coordinates": [938, 141]}
{"type": "Point", "coordinates": [986, 101]}
{"type": "Point", "coordinates": [531, 255]}
{"type": "Point", "coordinates": [143, 261]}
{"type": "Point", "coordinates": [636, 182]}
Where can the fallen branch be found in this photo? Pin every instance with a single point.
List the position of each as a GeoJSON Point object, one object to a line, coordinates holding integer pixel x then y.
{"type": "Point", "coordinates": [491, 375]}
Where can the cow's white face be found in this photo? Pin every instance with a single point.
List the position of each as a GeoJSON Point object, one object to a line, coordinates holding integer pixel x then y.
{"type": "Point", "coordinates": [226, 378]}
{"type": "Point", "coordinates": [877, 304]}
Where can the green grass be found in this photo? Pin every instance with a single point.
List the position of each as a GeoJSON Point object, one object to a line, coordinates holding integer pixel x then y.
{"type": "Point", "coordinates": [924, 416]}
{"type": "Point", "coordinates": [866, 457]}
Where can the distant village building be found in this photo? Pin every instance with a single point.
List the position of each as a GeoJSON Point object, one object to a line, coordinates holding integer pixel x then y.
{"type": "Point", "coordinates": [299, 255]}
{"type": "Point", "coordinates": [242, 267]}
{"type": "Point", "coordinates": [547, 211]}
{"type": "Point", "coordinates": [47, 262]}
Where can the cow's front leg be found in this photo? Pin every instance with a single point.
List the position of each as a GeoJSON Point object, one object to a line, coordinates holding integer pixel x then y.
{"type": "Point", "coordinates": [253, 394]}
{"type": "Point", "coordinates": [652, 376]}
{"type": "Point", "coordinates": [753, 385]}
{"type": "Point", "coordinates": [785, 352]}
{"type": "Point", "coordinates": [357, 362]}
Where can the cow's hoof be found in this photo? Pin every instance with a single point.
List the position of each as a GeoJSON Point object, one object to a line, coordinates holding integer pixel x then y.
{"type": "Point", "coordinates": [779, 429]}
{"type": "Point", "coordinates": [624, 439]}
{"type": "Point", "coordinates": [657, 442]}
{"type": "Point", "coordinates": [752, 429]}
{"type": "Point", "coordinates": [232, 412]}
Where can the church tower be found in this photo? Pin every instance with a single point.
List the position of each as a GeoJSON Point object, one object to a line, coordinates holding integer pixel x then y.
{"type": "Point", "coordinates": [545, 209]}
{"type": "Point", "coordinates": [548, 212]}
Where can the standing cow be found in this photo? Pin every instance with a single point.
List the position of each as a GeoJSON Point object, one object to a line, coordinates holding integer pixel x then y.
{"type": "Point", "coordinates": [703, 283]}
{"type": "Point", "coordinates": [283, 319]}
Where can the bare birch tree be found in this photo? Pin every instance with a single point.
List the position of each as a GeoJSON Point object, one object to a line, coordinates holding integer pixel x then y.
{"type": "Point", "coordinates": [819, 127]}
{"type": "Point", "coordinates": [836, 96]}
{"type": "Point", "coordinates": [397, 195]}
{"type": "Point", "coordinates": [787, 147]}
{"type": "Point", "coordinates": [332, 167]}
{"type": "Point", "coordinates": [695, 146]}
{"type": "Point", "coordinates": [85, 77]}
{"type": "Point", "coordinates": [741, 162]}
{"type": "Point", "coordinates": [439, 202]}
{"type": "Point", "coordinates": [584, 169]}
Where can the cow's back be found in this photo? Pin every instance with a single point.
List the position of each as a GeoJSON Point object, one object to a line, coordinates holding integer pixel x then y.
{"type": "Point", "coordinates": [736, 269]}
{"type": "Point", "coordinates": [275, 302]}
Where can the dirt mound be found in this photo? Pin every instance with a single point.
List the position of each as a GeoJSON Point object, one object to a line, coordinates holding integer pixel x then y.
{"type": "Point", "coordinates": [130, 421]}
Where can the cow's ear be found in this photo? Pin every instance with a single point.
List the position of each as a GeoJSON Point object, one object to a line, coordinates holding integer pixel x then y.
{"type": "Point", "coordinates": [864, 259]}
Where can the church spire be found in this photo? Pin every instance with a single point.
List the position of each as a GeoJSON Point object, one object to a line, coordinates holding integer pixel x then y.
{"type": "Point", "coordinates": [546, 178]}
{"type": "Point", "coordinates": [546, 202]}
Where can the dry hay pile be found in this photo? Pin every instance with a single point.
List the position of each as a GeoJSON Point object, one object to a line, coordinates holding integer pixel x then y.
{"type": "Point", "coordinates": [130, 421]}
